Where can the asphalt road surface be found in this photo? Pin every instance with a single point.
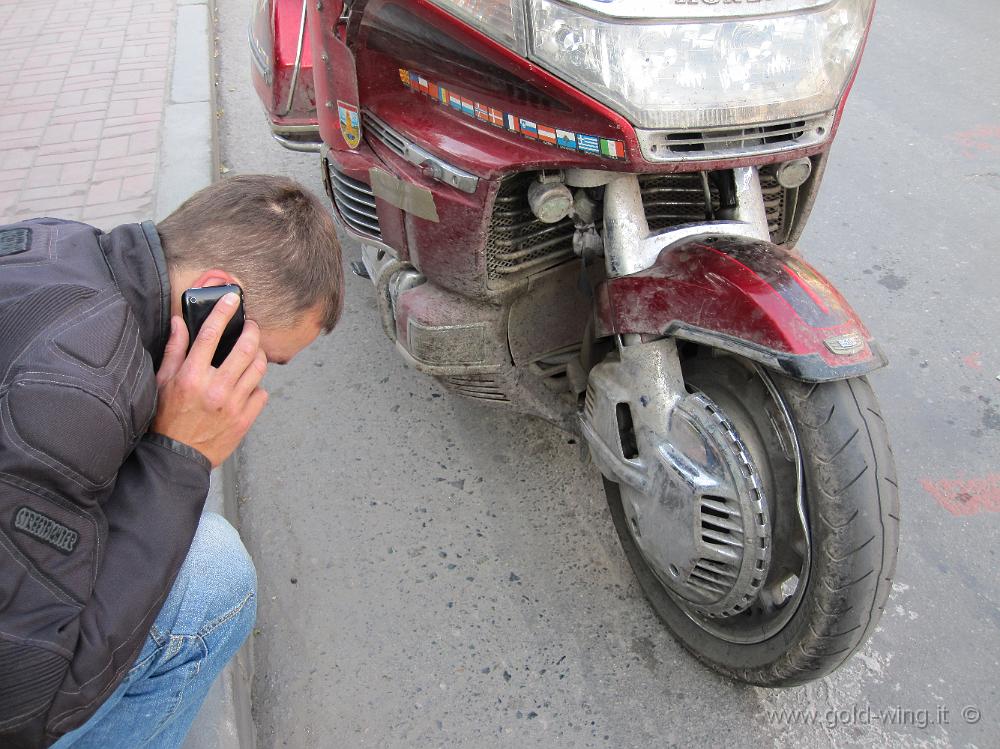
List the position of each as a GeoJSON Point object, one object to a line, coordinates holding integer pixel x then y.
{"type": "Point", "coordinates": [437, 573]}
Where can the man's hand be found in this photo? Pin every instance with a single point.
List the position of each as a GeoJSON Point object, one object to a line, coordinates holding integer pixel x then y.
{"type": "Point", "coordinates": [210, 409]}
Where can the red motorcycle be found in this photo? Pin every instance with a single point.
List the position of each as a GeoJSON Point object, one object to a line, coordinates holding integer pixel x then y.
{"type": "Point", "coordinates": [586, 210]}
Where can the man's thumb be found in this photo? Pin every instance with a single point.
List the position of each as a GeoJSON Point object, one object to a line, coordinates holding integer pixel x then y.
{"type": "Point", "coordinates": [175, 351]}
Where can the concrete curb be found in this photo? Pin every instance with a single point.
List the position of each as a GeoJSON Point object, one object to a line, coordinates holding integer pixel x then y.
{"type": "Point", "coordinates": [225, 720]}
{"type": "Point", "coordinates": [189, 161]}
{"type": "Point", "coordinates": [189, 144]}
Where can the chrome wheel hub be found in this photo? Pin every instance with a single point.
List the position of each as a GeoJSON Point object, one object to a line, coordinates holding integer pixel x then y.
{"type": "Point", "coordinates": [710, 483]}
{"type": "Point", "coordinates": [708, 538]}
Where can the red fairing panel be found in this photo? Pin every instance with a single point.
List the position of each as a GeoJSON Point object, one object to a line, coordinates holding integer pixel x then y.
{"type": "Point", "coordinates": [418, 65]}
{"type": "Point", "coordinates": [448, 250]}
{"type": "Point", "coordinates": [749, 297]}
{"type": "Point", "coordinates": [274, 44]}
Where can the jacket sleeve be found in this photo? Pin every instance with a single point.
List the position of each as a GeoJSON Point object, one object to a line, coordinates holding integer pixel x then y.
{"type": "Point", "coordinates": [152, 515]}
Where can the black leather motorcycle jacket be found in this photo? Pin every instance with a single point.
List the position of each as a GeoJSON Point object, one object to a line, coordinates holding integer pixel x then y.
{"type": "Point", "coordinates": [96, 514]}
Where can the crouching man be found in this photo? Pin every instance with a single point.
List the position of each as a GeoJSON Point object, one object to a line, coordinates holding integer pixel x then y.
{"type": "Point", "coordinates": [120, 601]}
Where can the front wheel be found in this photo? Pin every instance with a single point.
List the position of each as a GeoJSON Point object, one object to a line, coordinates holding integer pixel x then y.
{"type": "Point", "coordinates": [818, 460]}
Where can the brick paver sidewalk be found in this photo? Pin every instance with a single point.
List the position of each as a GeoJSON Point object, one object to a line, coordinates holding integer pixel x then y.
{"type": "Point", "coordinates": [82, 88]}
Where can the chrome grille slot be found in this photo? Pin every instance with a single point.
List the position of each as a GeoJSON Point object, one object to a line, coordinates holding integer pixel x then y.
{"type": "Point", "coordinates": [481, 386]}
{"type": "Point", "coordinates": [588, 405]}
{"type": "Point", "coordinates": [714, 579]}
{"type": "Point", "coordinates": [430, 165]}
{"type": "Point", "coordinates": [733, 142]}
{"type": "Point", "coordinates": [517, 241]}
{"type": "Point", "coordinates": [721, 527]}
{"type": "Point", "coordinates": [396, 143]}
{"type": "Point", "coordinates": [356, 203]}
{"type": "Point", "coordinates": [738, 138]}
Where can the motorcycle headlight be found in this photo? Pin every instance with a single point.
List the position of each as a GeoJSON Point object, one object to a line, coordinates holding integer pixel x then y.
{"type": "Point", "coordinates": [688, 65]}
{"type": "Point", "coordinates": [502, 20]}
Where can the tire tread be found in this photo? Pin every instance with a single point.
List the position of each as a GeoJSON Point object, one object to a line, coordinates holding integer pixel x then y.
{"type": "Point", "coordinates": [866, 541]}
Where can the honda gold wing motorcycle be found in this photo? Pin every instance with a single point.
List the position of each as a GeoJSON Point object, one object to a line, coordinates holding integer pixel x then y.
{"type": "Point", "coordinates": [586, 210]}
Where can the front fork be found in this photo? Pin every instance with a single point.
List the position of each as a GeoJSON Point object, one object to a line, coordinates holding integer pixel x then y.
{"type": "Point", "coordinates": [644, 386]}
{"type": "Point", "coordinates": [629, 244]}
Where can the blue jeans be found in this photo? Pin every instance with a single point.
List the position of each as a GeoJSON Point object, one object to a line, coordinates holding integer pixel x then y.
{"type": "Point", "coordinates": [207, 615]}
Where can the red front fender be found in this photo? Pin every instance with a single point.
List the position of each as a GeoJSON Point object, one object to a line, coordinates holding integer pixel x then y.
{"type": "Point", "coordinates": [744, 296]}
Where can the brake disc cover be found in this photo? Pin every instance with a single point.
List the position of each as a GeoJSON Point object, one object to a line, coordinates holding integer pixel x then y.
{"type": "Point", "coordinates": [702, 524]}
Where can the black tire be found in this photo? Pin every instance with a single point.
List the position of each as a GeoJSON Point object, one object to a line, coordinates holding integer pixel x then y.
{"type": "Point", "coordinates": [852, 506]}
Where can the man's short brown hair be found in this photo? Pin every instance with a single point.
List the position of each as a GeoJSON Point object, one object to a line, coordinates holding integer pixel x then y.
{"type": "Point", "coordinates": [271, 233]}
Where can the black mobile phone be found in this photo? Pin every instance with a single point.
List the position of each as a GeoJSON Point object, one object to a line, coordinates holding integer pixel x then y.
{"type": "Point", "coordinates": [198, 302]}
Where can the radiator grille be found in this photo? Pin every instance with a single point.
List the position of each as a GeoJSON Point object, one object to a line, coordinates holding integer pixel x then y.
{"type": "Point", "coordinates": [672, 199]}
{"type": "Point", "coordinates": [481, 386]}
{"type": "Point", "coordinates": [779, 204]}
{"type": "Point", "coordinates": [519, 242]}
{"type": "Point", "coordinates": [774, 203]}
{"type": "Point", "coordinates": [355, 202]}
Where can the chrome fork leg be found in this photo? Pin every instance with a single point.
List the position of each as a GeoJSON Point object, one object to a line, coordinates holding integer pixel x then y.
{"type": "Point", "coordinates": [750, 201]}
{"type": "Point", "coordinates": [625, 226]}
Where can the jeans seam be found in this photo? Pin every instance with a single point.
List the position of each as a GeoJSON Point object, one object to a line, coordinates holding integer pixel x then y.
{"type": "Point", "coordinates": [179, 700]}
{"type": "Point", "coordinates": [220, 620]}
{"type": "Point", "coordinates": [158, 650]}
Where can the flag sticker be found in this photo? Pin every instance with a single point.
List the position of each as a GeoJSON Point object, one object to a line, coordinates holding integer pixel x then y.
{"type": "Point", "coordinates": [539, 132]}
{"type": "Point", "coordinates": [613, 149]}
{"type": "Point", "coordinates": [588, 144]}
{"type": "Point", "coordinates": [566, 139]}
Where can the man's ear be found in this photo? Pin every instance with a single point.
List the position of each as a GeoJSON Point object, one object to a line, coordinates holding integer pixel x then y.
{"type": "Point", "coordinates": [215, 277]}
